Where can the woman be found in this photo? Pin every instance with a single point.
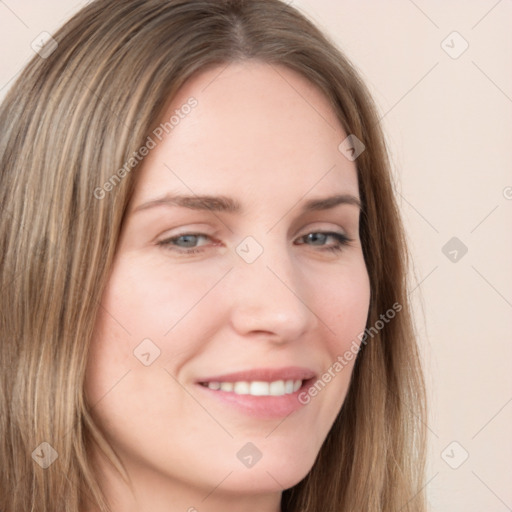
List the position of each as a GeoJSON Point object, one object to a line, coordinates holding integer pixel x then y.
{"type": "Point", "coordinates": [204, 302]}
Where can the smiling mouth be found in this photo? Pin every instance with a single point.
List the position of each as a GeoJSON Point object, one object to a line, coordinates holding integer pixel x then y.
{"type": "Point", "coordinates": [257, 388]}
{"type": "Point", "coordinates": [263, 393]}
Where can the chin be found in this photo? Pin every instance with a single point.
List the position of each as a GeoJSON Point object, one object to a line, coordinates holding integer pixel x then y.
{"type": "Point", "coordinates": [272, 473]}
{"type": "Point", "coordinates": [264, 481]}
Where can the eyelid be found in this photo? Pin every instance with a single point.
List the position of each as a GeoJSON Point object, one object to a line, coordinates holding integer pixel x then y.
{"type": "Point", "coordinates": [189, 229]}
{"type": "Point", "coordinates": [323, 226]}
{"type": "Point", "coordinates": [167, 242]}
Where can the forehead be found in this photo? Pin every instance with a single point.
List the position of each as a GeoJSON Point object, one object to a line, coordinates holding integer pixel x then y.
{"type": "Point", "coordinates": [252, 124]}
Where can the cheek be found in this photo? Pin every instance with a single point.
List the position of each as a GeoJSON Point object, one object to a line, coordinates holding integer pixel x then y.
{"type": "Point", "coordinates": [344, 308]}
{"type": "Point", "coordinates": [342, 304]}
{"type": "Point", "coordinates": [108, 358]}
{"type": "Point", "coordinates": [151, 298]}
{"type": "Point", "coordinates": [143, 308]}
{"type": "Point", "coordinates": [345, 303]}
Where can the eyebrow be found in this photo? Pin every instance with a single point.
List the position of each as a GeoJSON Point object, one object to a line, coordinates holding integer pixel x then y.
{"type": "Point", "coordinates": [230, 205]}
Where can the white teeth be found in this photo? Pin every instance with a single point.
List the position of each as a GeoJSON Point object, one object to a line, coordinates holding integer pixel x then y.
{"type": "Point", "coordinates": [277, 388]}
{"type": "Point", "coordinates": [242, 388]}
{"type": "Point", "coordinates": [226, 386]}
{"type": "Point", "coordinates": [258, 388]}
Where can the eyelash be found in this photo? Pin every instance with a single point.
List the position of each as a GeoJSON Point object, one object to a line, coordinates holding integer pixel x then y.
{"type": "Point", "coordinates": [342, 242]}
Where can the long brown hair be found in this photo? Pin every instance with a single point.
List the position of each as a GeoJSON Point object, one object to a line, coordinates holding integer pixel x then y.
{"type": "Point", "coordinates": [73, 118]}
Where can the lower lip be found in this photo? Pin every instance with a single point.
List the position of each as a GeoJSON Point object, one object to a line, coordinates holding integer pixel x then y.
{"type": "Point", "coordinates": [260, 406]}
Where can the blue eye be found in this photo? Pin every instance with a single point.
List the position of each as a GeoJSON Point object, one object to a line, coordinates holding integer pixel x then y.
{"type": "Point", "coordinates": [318, 238]}
{"type": "Point", "coordinates": [187, 243]}
{"type": "Point", "coordinates": [188, 239]}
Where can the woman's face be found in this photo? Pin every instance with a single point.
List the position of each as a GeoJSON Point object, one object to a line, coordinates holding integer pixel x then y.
{"type": "Point", "coordinates": [254, 289]}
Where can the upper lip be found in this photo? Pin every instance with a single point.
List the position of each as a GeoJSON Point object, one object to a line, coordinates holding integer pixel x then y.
{"type": "Point", "coordinates": [263, 375]}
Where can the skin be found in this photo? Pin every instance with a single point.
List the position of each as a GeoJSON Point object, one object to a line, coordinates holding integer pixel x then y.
{"type": "Point", "coordinates": [266, 137]}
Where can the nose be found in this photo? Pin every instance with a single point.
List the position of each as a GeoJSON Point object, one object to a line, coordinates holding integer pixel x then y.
{"type": "Point", "coordinates": [270, 298]}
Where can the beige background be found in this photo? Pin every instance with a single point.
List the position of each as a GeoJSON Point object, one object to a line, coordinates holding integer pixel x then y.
{"type": "Point", "coordinates": [449, 126]}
